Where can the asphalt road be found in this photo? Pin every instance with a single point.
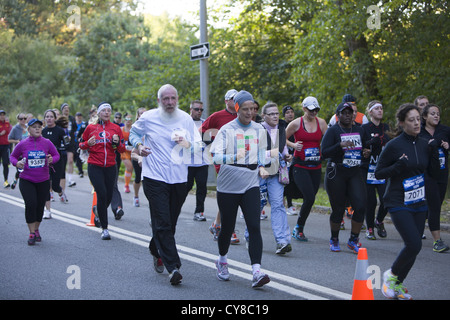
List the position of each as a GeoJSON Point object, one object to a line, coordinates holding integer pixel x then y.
{"type": "Point", "coordinates": [73, 263]}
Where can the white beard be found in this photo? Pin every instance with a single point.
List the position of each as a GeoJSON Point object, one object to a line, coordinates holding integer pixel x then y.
{"type": "Point", "coordinates": [168, 117]}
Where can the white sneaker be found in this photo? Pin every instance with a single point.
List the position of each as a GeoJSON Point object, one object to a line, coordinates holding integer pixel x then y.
{"type": "Point", "coordinates": [105, 235]}
{"type": "Point", "coordinates": [47, 214]}
{"type": "Point", "coordinates": [291, 211]}
{"type": "Point", "coordinates": [136, 201]}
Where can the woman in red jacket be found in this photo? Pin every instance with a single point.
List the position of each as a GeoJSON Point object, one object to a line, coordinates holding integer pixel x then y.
{"type": "Point", "coordinates": [102, 139]}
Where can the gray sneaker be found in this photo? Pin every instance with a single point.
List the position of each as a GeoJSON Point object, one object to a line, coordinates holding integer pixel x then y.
{"type": "Point", "coordinates": [440, 246]}
{"type": "Point", "coordinates": [198, 216]}
{"type": "Point", "coordinates": [105, 235]}
{"type": "Point", "coordinates": [175, 277]}
{"type": "Point", "coordinates": [222, 271]}
{"type": "Point", "coordinates": [158, 264]}
{"type": "Point", "coordinates": [260, 279]}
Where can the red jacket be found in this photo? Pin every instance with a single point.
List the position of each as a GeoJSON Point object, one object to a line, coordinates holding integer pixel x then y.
{"type": "Point", "coordinates": [4, 125]}
{"type": "Point", "coordinates": [102, 153]}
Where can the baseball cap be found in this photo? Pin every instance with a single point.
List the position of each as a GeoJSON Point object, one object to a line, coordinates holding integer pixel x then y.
{"type": "Point", "coordinates": [348, 98]}
{"type": "Point", "coordinates": [33, 121]}
{"type": "Point", "coordinates": [3, 111]}
{"type": "Point", "coordinates": [230, 94]}
{"type": "Point", "coordinates": [342, 106]}
{"type": "Point", "coordinates": [311, 103]}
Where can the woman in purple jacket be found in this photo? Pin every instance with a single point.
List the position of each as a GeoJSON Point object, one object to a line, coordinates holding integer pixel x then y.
{"type": "Point", "coordinates": [33, 156]}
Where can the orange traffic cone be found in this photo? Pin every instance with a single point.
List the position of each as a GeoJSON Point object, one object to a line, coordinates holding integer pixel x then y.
{"type": "Point", "coordinates": [362, 286]}
{"type": "Point", "coordinates": [94, 204]}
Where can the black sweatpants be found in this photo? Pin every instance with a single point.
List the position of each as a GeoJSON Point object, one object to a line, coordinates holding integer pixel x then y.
{"type": "Point", "coordinates": [372, 190]}
{"type": "Point", "coordinates": [34, 195]}
{"type": "Point", "coordinates": [200, 174]}
{"type": "Point", "coordinates": [249, 202]}
{"type": "Point", "coordinates": [165, 202]}
{"type": "Point", "coordinates": [4, 159]}
{"type": "Point", "coordinates": [410, 226]}
{"type": "Point", "coordinates": [102, 179]}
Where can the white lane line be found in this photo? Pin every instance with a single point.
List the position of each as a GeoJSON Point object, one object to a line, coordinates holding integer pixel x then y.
{"type": "Point", "coordinates": [206, 259]}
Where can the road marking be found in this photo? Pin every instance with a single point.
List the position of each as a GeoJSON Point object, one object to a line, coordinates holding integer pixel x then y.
{"type": "Point", "coordinates": [202, 258]}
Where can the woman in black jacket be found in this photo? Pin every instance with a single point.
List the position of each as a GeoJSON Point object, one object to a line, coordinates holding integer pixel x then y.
{"type": "Point", "coordinates": [436, 188]}
{"type": "Point", "coordinates": [404, 162]}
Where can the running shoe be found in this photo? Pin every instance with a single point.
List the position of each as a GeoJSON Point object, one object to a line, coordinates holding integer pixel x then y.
{"type": "Point", "coordinates": [158, 264]}
{"type": "Point", "coordinates": [354, 245]}
{"type": "Point", "coordinates": [198, 216]}
{"type": "Point", "coordinates": [389, 284]}
{"type": "Point", "coordinates": [283, 248]}
{"type": "Point", "coordinates": [380, 229]}
{"type": "Point", "coordinates": [234, 239]}
{"type": "Point", "coordinates": [263, 215]}
{"type": "Point", "coordinates": [215, 230]}
{"type": "Point", "coordinates": [47, 214]}
{"type": "Point", "coordinates": [63, 198]}
{"type": "Point", "coordinates": [105, 235]}
{"type": "Point", "coordinates": [31, 239]}
{"type": "Point", "coordinates": [349, 212]}
{"type": "Point", "coordinates": [37, 236]}
{"type": "Point", "coordinates": [13, 185]}
{"type": "Point", "coordinates": [401, 293]}
{"type": "Point", "coordinates": [440, 246]}
{"type": "Point", "coordinates": [222, 271]}
{"type": "Point", "coordinates": [297, 235]}
{"type": "Point", "coordinates": [136, 201]}
{"type": "Point", "coordinates": [6, 184]}
{"type": "Point", "coordinates": [127, 189]}
{"type": "Point", "coordinates": [342, 225]}
{"type": "Point", "coordinates": [291, 211]}
{"type": "Point", "coordinates": [260, 279]}
{"type": "Point", "coordinates": [51, 197]}
{"type": "Point", "coordinates": [119, 213]}
{"type": "Point", "coordinates": [334, 245]}
{"type": "Point", "coordinates": [370, 234]}
{"type": "Point", "coordinates": [72, 184]}
{"type": "Point", "coordinates": [175, 277]}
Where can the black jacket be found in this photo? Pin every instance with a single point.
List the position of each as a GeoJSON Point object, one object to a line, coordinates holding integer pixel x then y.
{"type": "Point", "coordinates": [441, 133]}
{"type": "Point", "coordinates": [423, 158]}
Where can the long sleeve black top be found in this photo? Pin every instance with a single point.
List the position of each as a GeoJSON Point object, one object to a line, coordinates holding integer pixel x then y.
{"type": "Point", "coordinates": [402, 174]}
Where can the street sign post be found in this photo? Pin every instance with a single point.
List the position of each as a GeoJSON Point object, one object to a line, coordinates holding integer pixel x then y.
{"type": "Point", "coordinates": [200, 51]}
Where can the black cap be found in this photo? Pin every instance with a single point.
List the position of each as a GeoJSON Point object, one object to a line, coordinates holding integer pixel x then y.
{"type": "Point", "coordinates": [33, 121]}
{"type": "Point", "coordinates": [342, 106]}
{"type": "Point", "coordinates": [286, 108]}
{"type": "Point", "coordinates": [348, 98]}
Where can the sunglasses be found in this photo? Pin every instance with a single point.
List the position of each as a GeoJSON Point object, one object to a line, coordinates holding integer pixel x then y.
{"type": "Point", "coordinates": [198, 109]}
{"type": "Point", "coordinates": [22, 118]}
{"type": "Point", "coordinates": [315, 110]}
{"type": "Point", "coordinates": [127, 119]}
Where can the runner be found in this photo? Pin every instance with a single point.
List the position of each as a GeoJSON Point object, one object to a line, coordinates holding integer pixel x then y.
{"type": "Point", "coordinates": [376, 131]}
{"type": "Point", "coordinates": [5, 129]}
{"type": "Point", "coordinates": [307, 167]}
{"type": "Point", "coordinates": [126, 155]}
{"type": "Point", "coordinates": [18, 133]}
{"type": "Point", "coordinates": [59, 139]}
{"type": "Point", "coordinates": [342, 144]}
{"type": "Point", "coordinates": [276, 150]}
{"type": "Point", "coordinates": [404, 162]}
{"type": "Point", "coordinates": [239, 148]}
{"type": "Point", "coordinates": [102, 139]}
{"type": "Point", "coordinates": [169, 134]}
{"type": "Point", "coordinates": [436, 188]}
{"type": "Point", "coordinates": [35, 156]}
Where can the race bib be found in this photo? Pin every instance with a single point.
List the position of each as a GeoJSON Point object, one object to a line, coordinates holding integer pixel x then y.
{"type": "Point", "coordinates": [441, 158]}
{"type": "Point", "coordinates": [312, 154]}
{"type": "Point", "coordinates": [414, 189]}
{"type": "Point", "coordinates": [371, 176]}
{"type": "Point", "coordinates": [36, 159]}
{"type": "Point", "coordinates": [352, 157]}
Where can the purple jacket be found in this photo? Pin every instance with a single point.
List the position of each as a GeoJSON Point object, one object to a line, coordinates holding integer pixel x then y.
{"type": "Point", "coordinates": [35, 151]}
